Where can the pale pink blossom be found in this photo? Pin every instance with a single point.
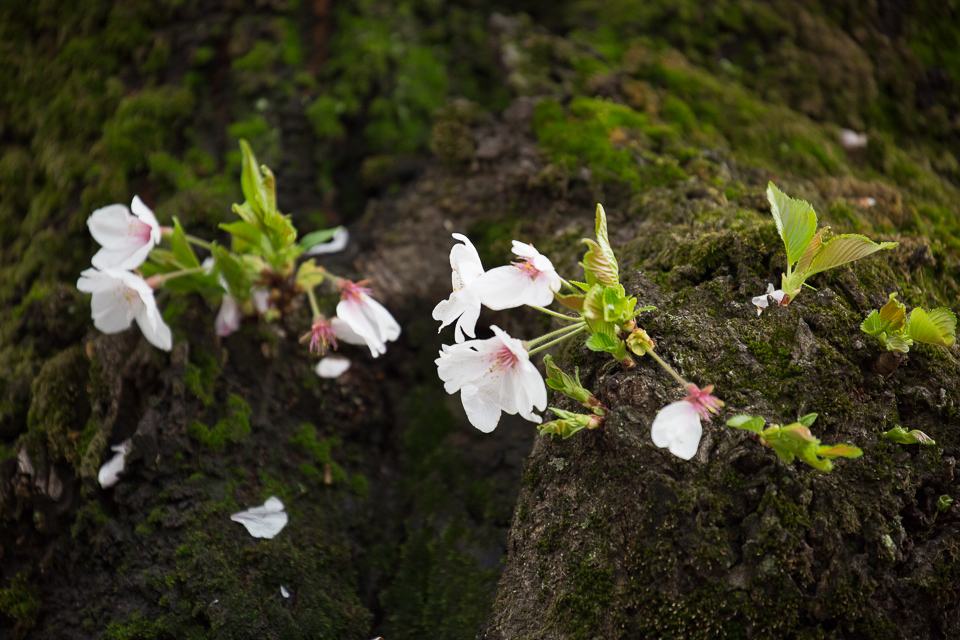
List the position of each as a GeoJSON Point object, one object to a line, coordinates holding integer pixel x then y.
{"type": "Point", "coordinates": [119, 298]}
{"type": "Point", "coordinates": [531, 280]}
{"type": "Point", "coordinates": [366, 318]}
{"type": "Point", "coordinates": [332, 366]}
{"type": "Point", "coordinates": [761, 301]}
{"type": "Point", "coordinates": [126, 238]}
{"type": "Point", "coordinates": [229, 316]}
{"type": "Point", "coordinates": [677, 425]}
{"type": "Point", "coordinates": [493, 376]}
{"type": "Point", "coordinates": [463, 305]}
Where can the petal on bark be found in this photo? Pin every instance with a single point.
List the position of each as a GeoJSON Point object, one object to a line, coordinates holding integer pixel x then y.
{"type": "Point", "coordinates": [332, 366]}
{"type": "Point", "coordinates": [109, 473]}
{"type": "Point", "coordinates": [677, 427]}
{"type": "Point", "coordinates": [265, 521]}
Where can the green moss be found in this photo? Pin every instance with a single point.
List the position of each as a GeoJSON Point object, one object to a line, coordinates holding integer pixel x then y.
{"type": "Point", "coordinates": [200, 378]}
{"type": "Point", "coordinates": [21, 602]}
{"type": "Point", "coordinates": [143, 123]}
{"type": "Point", "coordinates": [583, 605]}
{"type": "Point", "coordinates": [231, 428]}
{"type": "Point", "coordinates": [60, 407]}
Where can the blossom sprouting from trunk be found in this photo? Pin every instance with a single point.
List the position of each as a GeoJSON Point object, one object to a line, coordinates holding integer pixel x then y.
{"type": "Point", "coordinates": [531, 280]}
{"type": "Point", "coordinates": [677, 426]}
{"type": "Point", "coordinates": [332, 366]}
{"type": "Point", "coordinates": [265, 521]}
{"type": "Point", "coordinates": [366, 318]}
{"type": "Point", "coordinates": [229, 316]}
{"type": "Point", "coordinates": [125, 237]}
{"type": "Point", "coordinates": [463, 305]}
{"type": "Point", "coordinates": [119, 298]}
{"type": "Point", "coordinates": [493, 376]}
{"type": "Point", "coordinates": [761, 301]}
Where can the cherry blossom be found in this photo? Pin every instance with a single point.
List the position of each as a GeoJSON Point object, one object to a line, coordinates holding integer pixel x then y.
{"type": "Point", "coordinates": [531, 280]}
{"type": "Point", "coordinates": [229, 316]}
{"type": "Point", "coordinates": [677, 426]}
{"type": "Point", "coordinates": [463, 305]}
{"type": "Point", "coordinates": [126, 238]}
{"type": "Point", "coordinates": [366, 318]}
{"type": "Point", "coordinates": [493, 376]}
{"type": "Point", "coordinates": [265, 521]}
{"type": "Point", "coordinates": [322, 334]}
{"type": "Point", "coordinates": [119, 298]}
{"type": "Point", "coordinates": [761, 301]}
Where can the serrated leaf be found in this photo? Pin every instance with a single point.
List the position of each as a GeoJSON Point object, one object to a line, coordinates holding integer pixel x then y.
{"type": "Point", "coordinates": [896, 342]}
{"type": "Point", "coordinates": [796, 221]}
{"type": "Point", "coordinates": [317, 237]}
{"type": "Point", "coordinates": [245, 237]}
{"type": "Point", "coordinates": [808, 419]}
{"type": "Point", "coordinates": [813, 248]}
{"type": "Point", "coordinates": [181, 248]}
{"type": "Point", "coordinates": [839, 451]}
{"type": "Point", "coordinates": [581, 285]}
{"type": "Point", "coordinates": [233, 272]}
{"type": "Point", "coordinates": [902, 436]}
{"type": "Point", "coordinates": [872, 325]}
{"type": "Point", "coordinates": [934, 327]}
{"type": "Point", "coordinates": [893, 315]}
{"type": "Point", "coordinates": [611, 276]}
{"type": "Point", "coordinates": [603, 342]}
{"type": "Point", "coordinates": [251, 181]}
{"type": "Point", "coordinates": [616, 306]}
{"type": "Point", "coordinates": [843, 249]}
{"type": "Point", "coordinates": [597, 266]}
{"type": "Point", "coordinates": [748, 423]}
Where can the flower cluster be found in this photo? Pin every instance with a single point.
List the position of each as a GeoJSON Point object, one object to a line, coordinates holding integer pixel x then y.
{"type": "Point", "coordinates": [262, 274]}
{"type": "Point", "coordinates": [496, 375]}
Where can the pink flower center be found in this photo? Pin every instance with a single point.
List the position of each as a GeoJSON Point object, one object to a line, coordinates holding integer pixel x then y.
{"type": "Point", "coordinates": [525, 265]}
{"type": "Point", "coordinates": [504, 359]}
{"type": "Point", "coordinates": [139, 229]}
{"type": "Point", "coordinates": [321, 336]}
{"type": "Point", "coordinates": [354, 290]}
{"type": "Point", "coordinates": [702, 401]}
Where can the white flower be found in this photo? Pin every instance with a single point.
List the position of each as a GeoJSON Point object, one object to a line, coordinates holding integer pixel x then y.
{"type": "Point", "coordinates": [126, 238]}
{"type": "Point", "coordinates": [332, 366]}
{"type": "Point", "coordinates": [337, 243]}
{"type": "Point", "coordinates": [366, 319]}
{"type": "Point", "coordinates": [493, 375]}
{"type": "Point", "coordinates": [463, 303]}
{"type": "Point", "coordinates": [850, 139]}
{"type": "Point", "coordinates": [264, 521]}
{"type": "Point", "coordinates": [761, 301]}
{"type": "Point", "coordinates": [531, 280]}
{"type": "Point", "coordinates": [677, 426]}
{"type": "Point", "coordinates": [110, 472]}
{"type": "Point", "coordinates": [119, 298]}
{"type": "Point", "coordinates": [229, 316]}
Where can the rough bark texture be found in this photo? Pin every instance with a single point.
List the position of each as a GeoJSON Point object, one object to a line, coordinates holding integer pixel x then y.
{"type": "Point", "coordinates": [413, 120]}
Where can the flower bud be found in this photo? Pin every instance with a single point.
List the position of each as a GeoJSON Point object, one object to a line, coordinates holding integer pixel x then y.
{"type": "Point", "coordinates": [640, 343]}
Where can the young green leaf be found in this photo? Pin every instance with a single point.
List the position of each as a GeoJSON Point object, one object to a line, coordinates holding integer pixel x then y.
{"type": "Point", "coordinates": [902, 436]}
{"type": "Point", "coordinates": [748, 423]}
{"type": "Point", "coordinates": [808, 419]}
{"type": "Point", "coordinates": [569, 385]}
{"type": "Point", "coordinates": [571, 301]}
{"type": "Point", "coordinates": [796, 222]}
{"type": "Point", "coordinates": [309, 275]}
{"type": "Point", "coordinates": [872, 324]}
{"type": "Point", "coordinates": [245, 237]}
{"type": "Point", "coordinates": [603, 342]}
{"type": "Point", "coordinates": [938, 326]}
{"type": "Point", "coordinates": [810, 252]}
{"type": "Point", "coordinates": [251, 181]}
{"type": "Point", "coordinates": [839, 451]}
{"type": "Point", "coordinates": [843, 249]}
{"type": "Point", "coordinates": [317, 237]}
{"type": "Point", "coordinates": [181, 247]}
{"type": "Point", "coordinates": [893, 315]}
{"type": "Point", "coordinates": [896, 342]}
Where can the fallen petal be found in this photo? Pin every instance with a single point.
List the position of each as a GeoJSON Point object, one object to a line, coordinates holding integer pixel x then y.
{"type": "Point", "coordinates": [265, 521]}
{"type": "Point", "coordinates": [332, 366]}
{"type": "Point", "coordinates": [110, 472]}
{"type": "Point", "coordinates": [284, 592]}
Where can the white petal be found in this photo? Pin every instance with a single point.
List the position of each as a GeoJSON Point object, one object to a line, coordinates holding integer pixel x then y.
{"type": "Point", "coordinates": [229, 316]}
{"type": "Point", "coordinates": [482, 414]}
{"type": "Point", "coordinates": [154, 329]}
{"type": "Point", "coordinates": [777, 295]}
{"type": "Point", "coordinates": [337, 243]}
{"type": "Point", "coordinates": [261, 300]}
{"type": "Point", "coordinates": [265, 521]}
{"type": "Point", "coordinates": [465, 263]}
{"type": "Point", "coordinates": [144, 212]}
{"type": "Point", "coordinates": [343, 332]}
{"type": "Point", "coordinates": [332, 366]}
{"type": "Point", "coordinates": [508, 287]}
{"type": "Point", "coordinates": [677, 426]}
{"type": "Point", "coordinates": [284, 592]}
{"type": "Point", "coordinates": [462, 306]}
{"type": "Point", "coordinates": [386, 324]}
{"type": "Point", "coordinates": [761, 303]}
{"type": "Point", "coordinates": [352, 312]}
{"type": "Point", "coordinates": [110, 472]}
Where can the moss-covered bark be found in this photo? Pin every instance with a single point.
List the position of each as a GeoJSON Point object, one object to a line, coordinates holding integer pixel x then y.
{"type": "Point", "coordinates": [674, 117]}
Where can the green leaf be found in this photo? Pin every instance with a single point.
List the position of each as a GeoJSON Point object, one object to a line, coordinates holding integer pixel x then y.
{"type": "Point", "coordinates": [317, 237]}
{"type": "Point", "coordinates": [597, 266]}
{"type": "Point", "coordinates": [813, 248]}
{"type": "Point", "coordinates": [808, 419]}
{"type": "Point", "coordinates": [839, 451]}
{"type": "Point", "coordinates": [843, 249]}
{"type": "Point", "coordinates": [309, 275]}
{"type": "Point", "coordinates": [934, 327]}
{"type": "Point", "coordinates": [896, 342]}
{"type": "Point", "coordinates": [749, 423]}
{"type": "Point", "coordinates": [251, 181]}
{"type": "Point", "coordinates": [233, 272]}
{"type": "Point", "coordinates": [572, 301]}
{"type": "Point", "coordinates": [872, 325]}
{"type": "Point", "coordinates": [617, 307]}
{"type": "Point", "coordinates": [581, 285]}
{"type": "Point", "coordinates": [893, 315]}
{"type": "Point", "coordinates": [902, 436]}
{"type": "Point", "coordinates": [796, 221]}
{"type": "Point", "coordinates": [181, 247]}
{"type": "Point", "coordinates": [245, 236]}
{"type": "Point", "coordinates": [603, 342]}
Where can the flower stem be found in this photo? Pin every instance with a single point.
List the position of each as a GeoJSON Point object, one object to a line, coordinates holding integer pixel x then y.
{"type": "Point", "coordinates": [669, 369]}
{"type": "Point", "coordinates": [313, 303]}
{"type": "Point", "coordinates": [200, 242]}
{"type": "Point", "coordinates": [556, 333]}
{"type": "Point", "coordinates": [555, 314]}
{"type": "Point", "coordinates": [582, 327]}
{"type": "Point", "coordinates": [157, 280]}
